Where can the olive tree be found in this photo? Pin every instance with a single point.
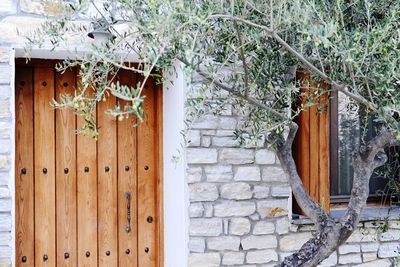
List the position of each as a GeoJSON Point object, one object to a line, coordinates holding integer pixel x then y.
{"type": "Point", "coordinates": [251, 50]}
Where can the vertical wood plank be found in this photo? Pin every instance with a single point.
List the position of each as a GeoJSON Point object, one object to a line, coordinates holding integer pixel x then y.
{"type": "Point", "coordinates": [160, 177]}
{"type": "Point", "coordinates": [324, 196]}
{"type": "Point", "coordinates": [87, 198]}
{"type": "Point", "coordinates": [24, 182]}
{"type": "Point", "coordinates": [45, 225]}
{"type": "Point", "coordinates": [107, 185]}
{"type": "Point", "coordinates": [314, 147]}
{"type": "Point", "coordinates": [147, 171]}
{"type": "Point", "coordinates": [127, 182]}
{"type": "Point", "coordinates": [66, 174]}
{"type": "Point", "coordinates": [304, 134]}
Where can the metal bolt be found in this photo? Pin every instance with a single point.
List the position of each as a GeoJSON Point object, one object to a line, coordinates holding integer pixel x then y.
{"type": "Point", "coordinates": [24, 259]}
{"type": "Point", "coordinates": [107, 169]}
{"type": "Point", "coordinates": [86, 169]}
{"type": "Point", "coordinates": [45, 257]}
{"type": "Point", "coordinates": [66, 170]}
{"type": "Point", "coordinates": [146, 167]}
{"type": "Point", "coordinates": [23, 170]}
{"type": "Point", "coordinates": [146, 249]}
{"type": "Point", "coordinates": [44, 83]}
{"type": "Point", "coordinates": [149, 219]}
{"type": "Point", "coordinates": [87, 254]}
{"type": "Point", "coordinates": [108, 253]}
{"type": "Point", "coordinates": [127, 251]}
{"type": "Point", "coordinates": [44, 170]}
{"type": "Point", "coordinates": [126, 168]}
{"type": "Point", "coordinates": [66, 255]}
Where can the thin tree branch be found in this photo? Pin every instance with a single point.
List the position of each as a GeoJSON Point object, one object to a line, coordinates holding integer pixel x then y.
{"type": "Point", "coordinates": [335, 85]}
{"type": "Point", "coordinates": [243, 58]}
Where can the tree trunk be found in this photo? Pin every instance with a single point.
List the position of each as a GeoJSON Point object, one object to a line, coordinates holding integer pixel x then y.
{"type": "Point", "coordinates": [331, 234]}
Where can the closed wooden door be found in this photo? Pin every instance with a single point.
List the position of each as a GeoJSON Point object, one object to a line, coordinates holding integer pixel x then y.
{"type": "Point", "coordinates": [80, 202]}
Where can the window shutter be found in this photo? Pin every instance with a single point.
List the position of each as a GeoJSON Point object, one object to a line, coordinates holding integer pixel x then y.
{"type": "Point", "coordinates": [311, 145]}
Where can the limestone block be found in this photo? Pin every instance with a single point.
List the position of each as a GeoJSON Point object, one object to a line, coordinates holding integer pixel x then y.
{"type": "Point", "coordinates": [370, 256]}
{"type": "Point", "coordinates": [4, 162]}
{"type": "Point", "coordinates": [206, 122]}
{"type": "Point", "coordinates": [259, 242]}
{"type": "Point", "coordinates": [350, 258]}
{"type": "Point", "coordinates": [203, 192]}
{"type": "Point", "coordinates": [236, 191]}
{"type": "Point", "coordinates": [222, 243]}
{"type": "Point", "coordinates": [349, 248]}
{"type": "Point", "coordinates": [5, 205]}
{"type": "Point", "coordinates": [201, 155]}
{"type": "Point", "coordinates": [389, 250]}
{"type": "Point", "coordinates": [272, 207]}
{"type": "Point", "coordinates": [247, 173]}
{"type": "Point", "coordinates": [219, 173]}
{"type": "Point", "coordinates": [5, 222]}
{"type": "Point", "coordinates": [390, 235]}
{"type": "Point", "coordinates": [274, 174]}
{"type": "Point", "coordinates": [282, 225]}
{"type": "Point", "coordinates": [196, 210]}
{"type": "Point", "coordinates": [194, 174]}
{"type": "Point", "coordinates": [261, 256]}
{"type": "Point", "coordinates": [234, 208]}
{"type": "Point", "coordinates": [221, 141]}
{"type": "Point", "coordinates": [193, 138]}
{"type": "Point", "coordinates": [206, 259]}
{"type": "Point", "coordinates": [264, 156]}
{"type": "Point", "coordinates": [261, 191]}
{"type": "Point", "coordinates": [227, 123]}
{"type": "Point", "coordinates": [263, 228]}
{"type": "Point", "coordinates": [239, 226]}
{"type": "Point", "coordinates": [369, 247]}
{"type": "Point", "coordinates": [281, 190]}
{"type": "Point", "coordinates": [237, 155]}
{"type": "Point", "coordinates": [205, 227]}
{"type": "Point", "coordinates": [377, 263]}
{"type": "Point", "coordinates": [197, 245]}
{"type": "Point", "coordinates": [233, 258]}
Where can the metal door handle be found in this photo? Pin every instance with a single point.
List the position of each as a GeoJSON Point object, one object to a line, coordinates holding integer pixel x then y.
{"type": "Point", "coordinates": [128, 198]}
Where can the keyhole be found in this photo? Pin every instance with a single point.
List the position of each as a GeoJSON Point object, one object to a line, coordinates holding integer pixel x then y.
{"type": "Point", "coordinates": [87, 254]}
{"type": "Point", "coordinates": [108, 253]}
{"type": "Point", "coordinates": [86, 169]}
{"type": "Point", "coordinates": [66, 170]}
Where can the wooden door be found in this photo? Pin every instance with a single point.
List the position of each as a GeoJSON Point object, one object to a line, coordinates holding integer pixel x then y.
{"type": "Point", "coordinates": [80, 202]}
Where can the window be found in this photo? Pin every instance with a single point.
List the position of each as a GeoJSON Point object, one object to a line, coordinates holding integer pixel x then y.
{"type": "Point", "coordinates": [328, 134]}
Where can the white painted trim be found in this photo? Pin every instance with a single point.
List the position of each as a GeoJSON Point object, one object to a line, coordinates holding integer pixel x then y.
{"type": "Point", "coordinates": [176, 201]}
{"type": "Point", "coordinates": [12, 165]}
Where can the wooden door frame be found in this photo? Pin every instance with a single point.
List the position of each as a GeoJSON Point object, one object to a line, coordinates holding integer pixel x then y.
{"type": "Point", "coordinates": [21, 62]}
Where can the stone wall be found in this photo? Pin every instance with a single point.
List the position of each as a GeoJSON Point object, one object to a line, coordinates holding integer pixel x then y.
{"type": "Point", "coordinates": [240, 206]}
{"type": "Point", "coordinates": [6, 137]}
